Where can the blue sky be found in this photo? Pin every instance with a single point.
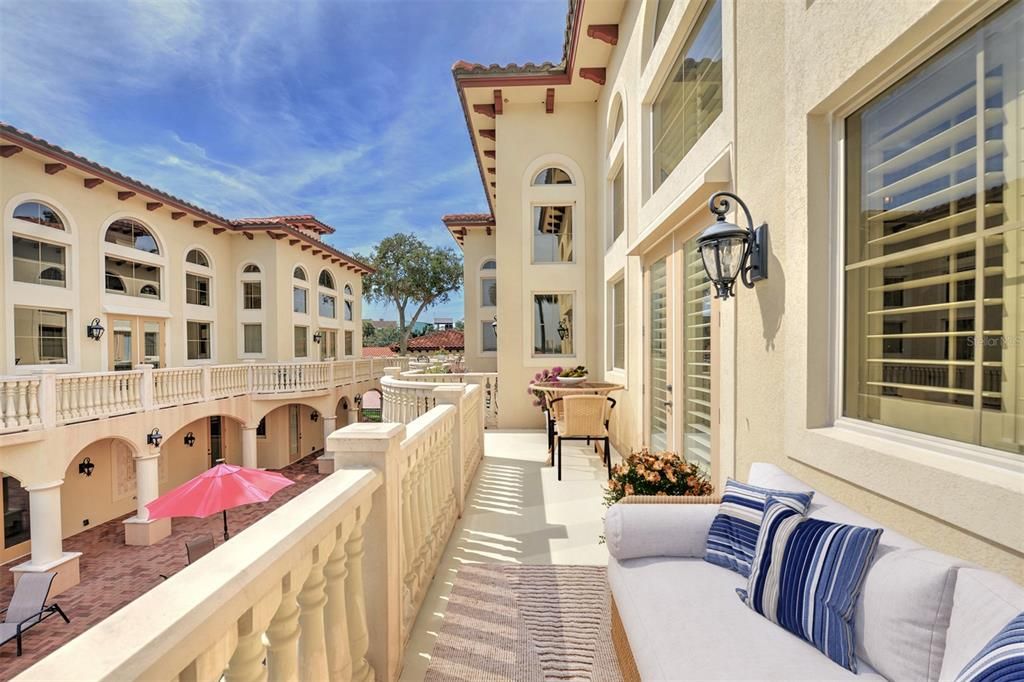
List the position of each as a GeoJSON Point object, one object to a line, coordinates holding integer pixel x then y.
{"type": "Point", "coordinates": [345, 109]}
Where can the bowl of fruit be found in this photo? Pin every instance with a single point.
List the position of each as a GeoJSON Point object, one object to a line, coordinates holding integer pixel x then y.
{"type": "Point", "coordinates": [575, 375]}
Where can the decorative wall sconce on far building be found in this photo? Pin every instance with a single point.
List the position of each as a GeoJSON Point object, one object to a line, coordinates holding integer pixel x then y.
{"type": "Point", "coordinates": [95, 330]}
{"type": "Point", "coordinates": [190, 439]}
{"type": "Point", "coordinates": [86, 467]}
{"type": "Point", "coordinates": [154, 437]}
{"type": "Point", "coordinates": [731, 252]}
{"type": "Point", "coordinates": [494, 326]}
{"type": "Point", "coordinates": [563, 330]}
{"type": "Point", "coordinates": [314, 416]}
{"type": "Point", "coordinates": [318, 336]}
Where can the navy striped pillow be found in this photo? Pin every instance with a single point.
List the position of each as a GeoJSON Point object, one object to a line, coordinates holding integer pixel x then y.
{"type": "Point", "coordinates": [807, 575]}
{"type": "Point", "coordinates": [733, 533]}
{"type": "Point", "coordinates": [1002, 658]}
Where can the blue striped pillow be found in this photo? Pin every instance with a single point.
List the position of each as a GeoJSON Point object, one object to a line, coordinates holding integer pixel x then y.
{"type": "Point", "coordinates": [806, 576]}
{"type": "Point", "coordinates": [734, 530]}
{"type": "Point", "coordinates": [1002, 658]}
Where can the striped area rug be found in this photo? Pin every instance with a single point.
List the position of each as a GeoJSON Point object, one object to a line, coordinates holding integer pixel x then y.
{"type": "Point", "coordinates": [526, 623]}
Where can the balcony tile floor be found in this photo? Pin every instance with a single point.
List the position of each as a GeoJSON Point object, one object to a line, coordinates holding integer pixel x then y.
{"type": "Point", "coordinates": [517, 513]}
{"type": "Point", "coordinates": [113, 573]}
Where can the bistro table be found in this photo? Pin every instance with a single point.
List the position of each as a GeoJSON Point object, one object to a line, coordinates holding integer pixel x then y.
{"type": "Point", "coordinates": [559, 389]}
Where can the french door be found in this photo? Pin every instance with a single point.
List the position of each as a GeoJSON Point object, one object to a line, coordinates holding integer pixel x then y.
{"type": "Point", "coordinates": [135, 341]}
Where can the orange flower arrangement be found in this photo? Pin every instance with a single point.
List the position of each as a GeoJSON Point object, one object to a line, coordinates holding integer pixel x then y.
{"type": "Point", "coordinates": [659, 473]}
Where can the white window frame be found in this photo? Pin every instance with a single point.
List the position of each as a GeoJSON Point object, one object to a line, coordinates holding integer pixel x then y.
{"type": "Point", "coordinates": [245, 353]}
{"type": "Point", "coordinates": [213, 343]}
{"type": "Point", "coordinates": [308, 342]}
{"type": "Point", "coordinates": [137, 305]}
{"type": "Point", "coordinates": [618, 278]}
{"type": "Point", "coordinates": [251, 315]}
{"type": "Point", "coordinates": [573, 330]}
{"type": "Point", "coordinates": [532, 235]}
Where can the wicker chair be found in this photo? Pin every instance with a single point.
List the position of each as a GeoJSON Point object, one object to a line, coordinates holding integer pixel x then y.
{"type": "Point", "coordinates": [583, 417]}
{"type": "Point", "coordinates": [627, 664]}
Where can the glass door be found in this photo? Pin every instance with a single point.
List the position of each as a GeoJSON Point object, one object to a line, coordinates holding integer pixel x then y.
{"type": "Point", "coordinates": [294, 437]}
{"type": "Point", "coordinates": [135, 340]}
{"type": "Point", "coordinates": [216, 442]}
{"type": "Point", "coordinates": [659, 372]}
{"type": "Point", "coordinates": [698, 334]}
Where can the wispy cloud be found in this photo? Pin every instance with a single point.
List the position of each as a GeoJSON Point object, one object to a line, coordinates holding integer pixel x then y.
{"type": "Point", "coordinates": [342, 108]}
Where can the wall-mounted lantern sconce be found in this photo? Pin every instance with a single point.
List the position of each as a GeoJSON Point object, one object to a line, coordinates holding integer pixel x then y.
{"type": "Point", "coordinates": [190, 439]}
{"type": "Point", "coordinates": [563, 330]}
{"type": "Point", "coordinates": [154, 437]}
{"type": "Point", "coordinates": [494, 326]}
{"type": "Point", "coordinates": [314, 416]}
{"type": "Point", "coordinates": [318, 336]}
{"type": "Point", "coordinates": [730, 251]}
{"type": "Point", "coordinates": [86, 467]}
{"type": "Point", "coordinates": [95, 330]}
{"type": "Point", "coordinates": [358, 400]}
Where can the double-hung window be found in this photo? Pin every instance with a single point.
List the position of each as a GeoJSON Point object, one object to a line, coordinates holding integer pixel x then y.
{"type": "Point", "coordinates": [934, 244]}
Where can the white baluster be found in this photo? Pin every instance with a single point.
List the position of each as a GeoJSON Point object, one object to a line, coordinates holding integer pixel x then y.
{"type": "Point", "coordinates": [311, 598]}
{"type": "Point", "coordinates": [247, 662]}
{"type": "Point", "coordinates": [210, 664]}
{"type": "Point", "coordinates": [355, 598]}
{"type": "Point", "coordinates": [336, 632]}
{"type": "Point", "coordinates": [33, 402]}
{"type": "Point", "coordinates": [283, 632]}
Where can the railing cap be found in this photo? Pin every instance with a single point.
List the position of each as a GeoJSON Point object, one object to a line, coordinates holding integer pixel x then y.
{"type": "Point", "coordinates": [365, 436]}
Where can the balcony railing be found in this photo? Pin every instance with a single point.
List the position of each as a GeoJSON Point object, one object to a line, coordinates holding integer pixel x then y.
{"type": "Point", "coordinates": [299, 595]}
{"type": "Point", "coordinates": [404, 395]}
{"type": "Point", "coordinates": [45, 400]}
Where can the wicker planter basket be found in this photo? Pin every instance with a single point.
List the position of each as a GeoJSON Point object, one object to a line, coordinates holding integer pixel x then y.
{"type": "Point", "coordinates": [627, 664]}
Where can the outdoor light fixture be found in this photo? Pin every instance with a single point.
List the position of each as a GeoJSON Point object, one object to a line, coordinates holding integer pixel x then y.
{"type": "Point", "coordinates": [318, 336]}
{"type": "Point", "coordinates": [358, 400]}
{"type": "Point", "coordinates": [154, 437]}
{"type": "Point", "coordinates": [86, 466]}
{"type": "Point", "coordinates": [494, 326]}
{"type": "Point", "coordinates": [190, 439]}
{"type": "Point", "coordinates": [730, 251]}
{"type": "Point", "coordinates": [314, 416]}
{"type": "Point", "coordinates": [563, 330]}
{"type": "Point", "coordinates": [95, 330]}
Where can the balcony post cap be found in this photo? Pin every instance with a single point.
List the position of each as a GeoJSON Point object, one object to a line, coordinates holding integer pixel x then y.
{"type": "Point", "coordinates": [366, 436]}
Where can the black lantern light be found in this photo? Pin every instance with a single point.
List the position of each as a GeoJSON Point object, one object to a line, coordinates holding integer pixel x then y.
{"type": "Point", "coordinates": [318, 336]}
{"type": "Point", "coordinates": [494, 326]}
{"type": "Point", "coordinates": [95, 330]}
{"type": "Point", "coordinates": [563, 330]}
{"type": "Point", "coordinates": [358, 400]}
{"type": "Point", "coordinates": [731, 252]}
{"type": "Point", "coordinates": [314, 416]}
{"type": "Point", "coordinates": [154, 437]}
{"type": "Point", "coordinates": [190, 439]}
{"type": "Point", "coordinates": [86, 466]}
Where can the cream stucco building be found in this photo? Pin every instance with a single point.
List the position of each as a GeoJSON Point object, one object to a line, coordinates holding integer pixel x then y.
{"type": "Point", "coordinates": [125, 311]}
{"type": "Point", "coordinates": [883, 144]}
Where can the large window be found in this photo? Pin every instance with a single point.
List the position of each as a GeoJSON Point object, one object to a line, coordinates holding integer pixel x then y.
{"type": "Point", "coordinates": [488, 292]}
{"type": "Point", "coordinates": [40, 337]}
{"type": "Point", "coordinates": [40, 214]}
{"type": "Point", "coordinates": [934, 245]}
{"type": "Point", "coordinates": [328, 344]}
{"type": "Point", "coordinates": [349, 341]}
{"type": "Point", "coordinates": [252, 295]}
{"type": "Point", "coordinates": [553, 324]}
{"type": "Point", "coordinates": [197, 290]}
{"type": "Point", "coordinates": [488, 337]}
{"type": "Point", "coordinates": [618, 330]}
{"type": "Point", "coordinates": [252, 338]}
{"type": "Point", "coordinates": [552, 234]}
{"type": "Point", "coordinates": [618, 203]}
{"type": "Point", "coordinates": [300, 302]}
{"type": "Point", "coordinates": [38, 262]}
{"type": "Point", "coordinates": [131, 278]}
{"type": "Point", "coordinates": [198, 341]}
{"type": "Point", "coordinates": [348, 311]}
{"type": "Point", "coordinates": [691, 98]}
{"type": "Point", "coordinates": [328, 306]}
{"type": "Point", "coordinates": [127, 232]}
{"type": "Point", "coordinates": [301, 341]}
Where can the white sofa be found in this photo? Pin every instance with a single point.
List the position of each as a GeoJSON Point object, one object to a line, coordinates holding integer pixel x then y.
{"type": "Point", "coordinates": [922, 615]}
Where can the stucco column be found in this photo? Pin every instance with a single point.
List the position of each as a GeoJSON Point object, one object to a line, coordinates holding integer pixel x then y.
{"type": "Point", "coordinates": [325, 462]}
{"type": "Point", "coordinates": [44, 521]}
{"type": "Point", "coordinates": [48, 553]}
{"type": "Point", "coordinates": [140, 529]}
{"type": "Point", "coordinates": [250, 459]}
{"type": "Point", "coordinates": [353, 416]}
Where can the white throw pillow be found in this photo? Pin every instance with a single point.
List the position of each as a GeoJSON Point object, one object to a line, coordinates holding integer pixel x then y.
{"type": "Point", "coordinates": [903, 612]}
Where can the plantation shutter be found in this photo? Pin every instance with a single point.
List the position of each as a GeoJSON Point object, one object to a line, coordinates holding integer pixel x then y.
{"type": "Point", "coordinates": [697, 331]}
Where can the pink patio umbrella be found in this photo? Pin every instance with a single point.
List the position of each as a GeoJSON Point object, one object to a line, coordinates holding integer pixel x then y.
{"type": "Point", "coordinates": [223, 487]}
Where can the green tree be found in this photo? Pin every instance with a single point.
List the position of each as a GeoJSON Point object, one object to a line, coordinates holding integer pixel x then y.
{"type": "Point", "coordinates": [411, 274]}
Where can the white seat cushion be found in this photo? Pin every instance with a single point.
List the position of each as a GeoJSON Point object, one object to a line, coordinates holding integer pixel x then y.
{"type": "Point", "coordinates": [983, 603]}
{"type": "Point", "coordinates": [685, 621]}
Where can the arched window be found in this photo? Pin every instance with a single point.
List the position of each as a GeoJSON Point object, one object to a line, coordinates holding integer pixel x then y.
{"type": "Point", "coordinates": [552, 176]}
{"type": "Point", "coordinates": [488, 284]}
{"type": "Point", "coordinates": [134, 235]}
{"type": "Point", "coordinates": [299, 273]}
{"type": "Point", "coordinates": [348, 289]}
{"type": "Point", "coordinates": [326, 280]}
{"type": "Point", "coordinates": [349, 305]}
{"type": "Point", "coordinates": [41, 214]}
{"type": "Point", "coordinates": [489, 265]}
{"type": "Point", "coordinates": [197, 257]}
{"type": "Point", "coordinates": [251, 269]}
